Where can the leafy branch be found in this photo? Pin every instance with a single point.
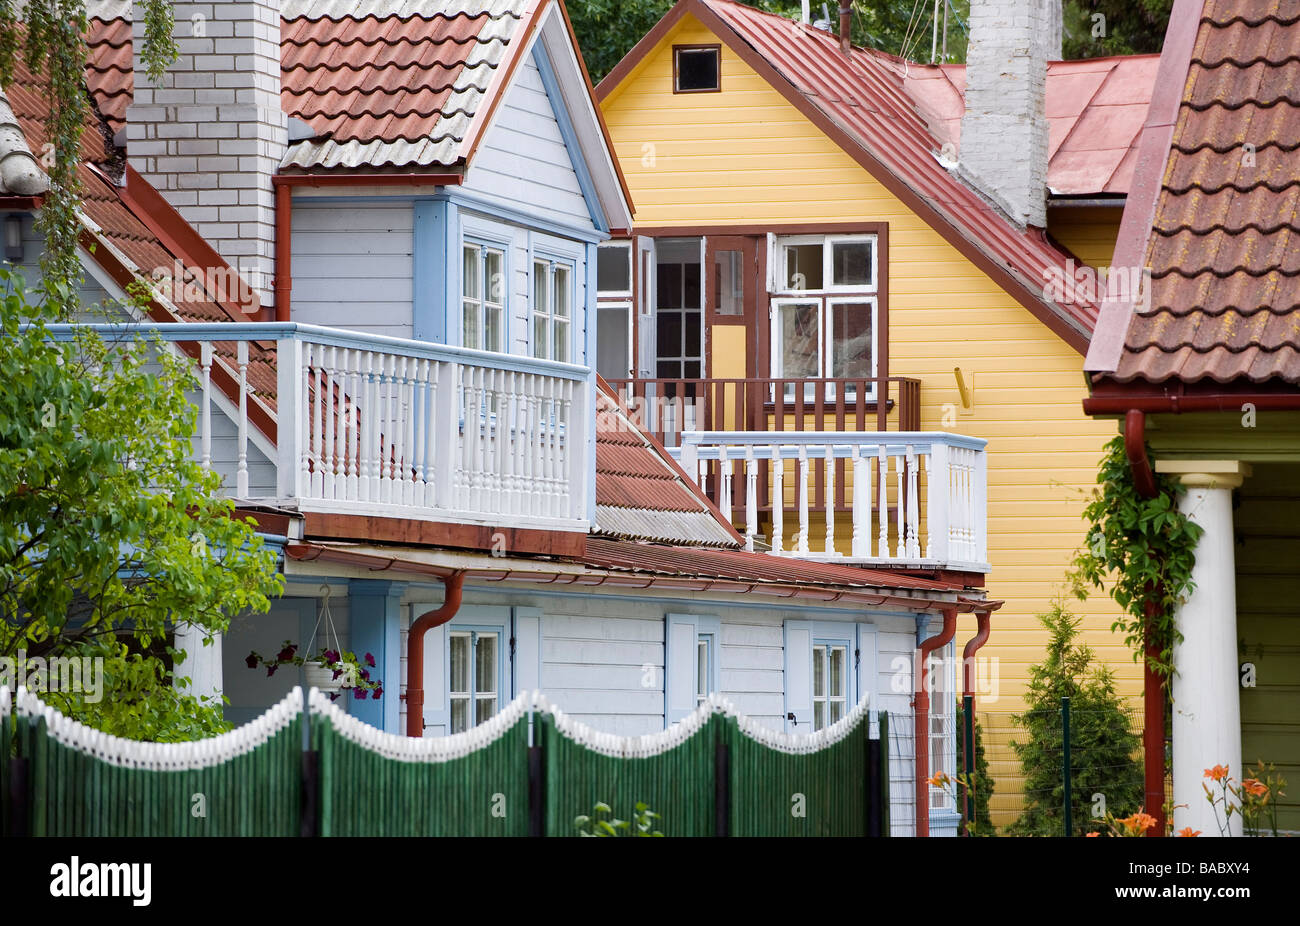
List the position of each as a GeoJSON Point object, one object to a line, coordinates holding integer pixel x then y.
{"type": "Point", "coordinates": [1147, 546]}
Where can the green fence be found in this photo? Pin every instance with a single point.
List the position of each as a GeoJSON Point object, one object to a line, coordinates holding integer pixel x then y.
{"type": "Point", "coordinates": [377, 784]}
{"type": "Point", "coordinates": [530, 770]}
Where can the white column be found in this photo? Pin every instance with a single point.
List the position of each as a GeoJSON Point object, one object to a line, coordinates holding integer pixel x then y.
{"type": "Point", "coordinates": [1206, 693]}
{"type": "Point", "coordinates": [202, 665]}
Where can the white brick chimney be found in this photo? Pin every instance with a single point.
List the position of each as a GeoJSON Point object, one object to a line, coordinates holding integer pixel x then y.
{"type": "Point", "coordinates": [211, 137]}
{"type": "Point", "coordinates": [1004, 133]}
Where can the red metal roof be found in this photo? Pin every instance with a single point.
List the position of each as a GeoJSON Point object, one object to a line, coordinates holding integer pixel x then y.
{"type": "Point", "coordinates": [1095, 111]}
{"type": "Point", "coordinates": [859, 99]}
{"type": "Point", "coordinates": [1223, 243]}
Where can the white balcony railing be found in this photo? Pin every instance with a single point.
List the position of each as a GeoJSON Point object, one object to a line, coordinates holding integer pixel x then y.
{"type": "Point", "coordinates": [365, 424]}
{"type": "Point", "coordinates": [916, 499]}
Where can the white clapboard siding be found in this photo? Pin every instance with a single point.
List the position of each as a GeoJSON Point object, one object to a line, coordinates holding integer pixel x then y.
{"type": "Point", "coordinates": [225, 455]}
{"type": "Point", "coordinates": [352, 266]}
{"type": "Point", "coordinates": [594, 666]}
{"type": "Point", "coordinates": [752, 673]}
{"type": "Point", "coordinates": [523, 159]}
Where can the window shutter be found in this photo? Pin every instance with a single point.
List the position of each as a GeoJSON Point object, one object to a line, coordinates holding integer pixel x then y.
{"type": "Point", "coordinates": [527, 662]}
{"type": "Point", "coordinates": [680, 633]}
{"type": "Point", "coordinates": [868, 673]}
{"type": "Point", "coordinates": [435, 682]}
{"type": "Point", "coordinates": [798, 676]}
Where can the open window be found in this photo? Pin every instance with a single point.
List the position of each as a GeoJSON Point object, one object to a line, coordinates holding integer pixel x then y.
{"type": "Point", "coordinates": [824, 309]}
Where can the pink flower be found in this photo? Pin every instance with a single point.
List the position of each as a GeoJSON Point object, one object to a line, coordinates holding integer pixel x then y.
{"type": "Point", "coordinates": [379, 692]}
{"type": "Point", "coordinates": [360, 693]}
{"type": "Point", "coordinates": [370, 660]}
{"type": "Point", "coordinates": [251, 661]}
{"type": "Point", "coordinates": [270, 670]}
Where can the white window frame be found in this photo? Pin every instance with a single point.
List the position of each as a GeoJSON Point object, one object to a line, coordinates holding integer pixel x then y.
{"type": "Point", "coordinates": [625, 306]}
{"type": "Point", "coordinates": [552, 264]}
{"type": "Point", "coordinates": [473, 696]}
{"type": "Point", "coordinates": [825, 645]}
{"type": "Point", "coordinates": [483, 248]}
{"type": "Point", "coordinates": [941, 725]}
{"type": "Point", "coordinates": [620, 294]}
{"type": "Point", "coordinates": [827, 297]}
{"type": "Point", "coordinates": [703, 629]}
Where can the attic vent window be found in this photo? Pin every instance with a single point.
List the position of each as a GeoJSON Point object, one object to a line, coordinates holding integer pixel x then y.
{"type": "Point", "coordinates": [697, 68]}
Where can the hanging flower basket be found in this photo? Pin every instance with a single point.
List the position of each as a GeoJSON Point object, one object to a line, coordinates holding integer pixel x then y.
{"type": "Point", "coordinates": [329, 668]}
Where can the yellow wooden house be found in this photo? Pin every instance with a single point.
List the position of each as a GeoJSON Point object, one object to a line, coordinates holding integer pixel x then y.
{"type": "Point", "coordinates": [815, 251]}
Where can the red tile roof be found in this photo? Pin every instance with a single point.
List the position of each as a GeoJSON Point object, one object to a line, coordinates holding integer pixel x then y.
{"type": "Point", "coordinates": [384, 84]}
{"type": "Point", "coordinates": [861, 102]}
{"type": "Point", "coordinates": [1095, 111]}
{"type": "Point", "coordinates": [641, 493]}
{"type": "Point", "coordinates": [1223, 242]}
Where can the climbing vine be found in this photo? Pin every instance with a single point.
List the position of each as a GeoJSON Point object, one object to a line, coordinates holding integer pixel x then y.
{"type": "Point", "coordinates": [50, 36]}
{"type": "Point", "coordinates": [1147, 546]}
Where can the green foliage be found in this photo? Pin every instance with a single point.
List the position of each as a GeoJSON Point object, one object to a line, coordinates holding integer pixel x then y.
{"type": "Point", "coordinates": [595, 824]}
{"type": "Point", "coordinates": [52, 43]}
{"type": "Point", "coordinates": [1125, 27]}
{"type": "Point", "coordinates": [1104, 746]}
{"type": "Point", "coordinates": [1147, 545]}
{"type": "Point", "coordinates": [108, 527]}
{"type": "Point", "coordinates": [983, 780]}
{"type": "Point", "coordinates": [607, 29]}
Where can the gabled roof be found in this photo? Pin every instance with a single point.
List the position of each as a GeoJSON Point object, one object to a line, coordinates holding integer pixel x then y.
{"type": "Point", "coordinates": [1096, 108]}
{"type": "Point", "coordinates": [1219, 227]}
{"type": "Point", "coordinates": [394, 84]}
{"type": "Point", "coordinates": [860, 101]}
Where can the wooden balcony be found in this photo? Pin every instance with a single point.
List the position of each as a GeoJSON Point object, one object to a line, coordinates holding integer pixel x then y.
{"type": "Point", "coordinates": [916, 500]}
{"type": "Point", "coordinates": [669, 407]}
{"type": "Point", "coordinates": [369, 425]}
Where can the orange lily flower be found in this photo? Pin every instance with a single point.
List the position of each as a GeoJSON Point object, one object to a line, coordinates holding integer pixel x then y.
{"type": "Point", "coordinates": [1218, 773]}
{"type": "Point", "coordinates": [1188, 831]}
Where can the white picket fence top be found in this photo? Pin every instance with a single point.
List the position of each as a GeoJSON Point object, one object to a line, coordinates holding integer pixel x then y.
{"type": "Point", "coordinates": [418, 749]}
{"type": "Point", "coordinates": [161, 757]}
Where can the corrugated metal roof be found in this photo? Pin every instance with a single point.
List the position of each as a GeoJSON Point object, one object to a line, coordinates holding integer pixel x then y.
{"type": "Point", "coordinates": [640, 491]}
{"type": "Point", "coordinates": [1224, 245]}
{"type": "Point", "coordinates": [742, 566]}
{"type": "Point", "coordinates": [1095, 112]}
{"type": "Point", "coordinates": [863, 94]}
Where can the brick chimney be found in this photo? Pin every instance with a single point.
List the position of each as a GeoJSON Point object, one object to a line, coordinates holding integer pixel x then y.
{"type": "Point", "coordinates": [212, 136]}
{"type": "Point", "coordinates": [1004, 132]}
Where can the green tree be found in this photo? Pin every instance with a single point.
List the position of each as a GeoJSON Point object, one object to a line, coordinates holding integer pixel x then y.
{"type": "Point", "coordinates": [110, 532]}
{"type": "Point", "coordinates": [983, 779]}
{"type": "Point", "coordinates": [1096, 28]}
{"type": "Point", "coordinates": [607, 29]}
{"type": "Point", "coordinates": [1103, 744]}
{"type": "Point", "coordinates": [49, 37]}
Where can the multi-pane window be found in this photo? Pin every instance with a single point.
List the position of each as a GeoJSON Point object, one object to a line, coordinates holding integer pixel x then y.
{"type": "Point", "coordinates": [483, 297]}
{"type": "Point", "coordinates": [552, 309]}
{"type": "Point", "coordinates": [830, 683]}
{"type": "Point", "coordinates": [475, 683]}
{"type": "Point", "coordinates": [824, 306]}
{"type": "Point", "coordinates": [942, 725]}
{"type": "Point", "coordinates": [679, 349]}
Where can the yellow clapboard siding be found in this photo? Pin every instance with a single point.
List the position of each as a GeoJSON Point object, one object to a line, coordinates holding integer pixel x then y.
{"type": "Point", "coordinates": [745, 156]}
{"type": "Point", "coordinates": [1088, 233]}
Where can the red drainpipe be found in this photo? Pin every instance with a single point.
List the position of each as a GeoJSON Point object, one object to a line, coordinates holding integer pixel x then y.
{"type": "Point", "coordinates": [415, 651]}
{"type": "Point", "coordinates": [1153, 692]}
{"type": "Point", "coordinates": [283, 248]}
{"type": "Point", "coordinates": [982, 627]}
{"type": "Point", "coordinates": [921, 721]}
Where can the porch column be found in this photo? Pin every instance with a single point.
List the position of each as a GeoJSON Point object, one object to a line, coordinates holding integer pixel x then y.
{"type": "Point", "coordinates": [202, 664]}
{"type": "Point", "coordinates": [1206, 695]}
{"type": "Point", "coordinates": [374, 607]}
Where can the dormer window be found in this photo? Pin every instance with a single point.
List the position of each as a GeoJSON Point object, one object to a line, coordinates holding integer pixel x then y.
{"type": "Point", "coordinates": [697, 68]}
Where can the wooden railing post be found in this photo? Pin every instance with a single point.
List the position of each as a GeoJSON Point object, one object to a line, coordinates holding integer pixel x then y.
{"type": "Point", "coordinates": [939, 488]}
{"type": "Point", "coordinates": [446, 432]}
{"type": "Point", "coordinates": [291, 407]}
